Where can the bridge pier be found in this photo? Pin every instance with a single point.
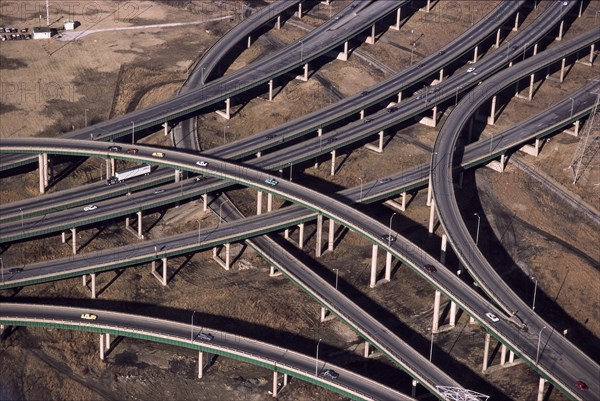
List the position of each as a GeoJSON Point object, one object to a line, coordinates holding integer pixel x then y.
{"type": "Point", "coordinates": [371, 38]}
{"type": "Point", "coordinates": [319, 133]}
{"type": "Point", "coordinates": [331, 235]}
{"type": "Point", "coordinates": [432, 216]}
{"type": "Point", "coordinates": [492, 118]}
{"type": "Point", "coordinates": [429, 192]}
{"type": "Point", "coordinates": [270, 92]}
{"type": "Point", "coordinates": [430, 121]}
{"type": "Point", "coordinates": [259, 198]}
{"type": "Point", "coordinates": [278, 22]}
{"type": "Point", "coordinates": [343, 55]}
{"type": "Point", "coordinates": [396, 26]}
{"type": "Point", "coordinates": [516, 27]}
{"type": "Point", "coordinates": [574, 131]}
{"type": "Point", "coordinates": [300, 242]}
{"type": "Point", "coordinates": [435, 325]}
{"type": "Point", "coordinates": [74, 240]}
{"type": "Point", "coordinates": [319, 239]}
{"type": "Point", "coordinates": [398, 206]}
{"type": "Point", "coordinates": [476, 50]}
{"type": "Point", "coordinates": [299, 10]}
{"type": "Point", "coordinates": [498, 165]}
{"type": "Point", "coordinates": [413, 392]}
{"type": "Point", "coordinates": [138, 231]}
{"type": "Point", "coordinates": [273, 272]}
{"type": "Point", "coordinates": [540, 394]}
{"type": "Point", "coordinates": [227, 113]}
{"type": "Point", "coordinates": [162, 278]}
{"type": "Point", "coordinates": [304, 76]}
{"type": "Point", "coordinates": [110, 167]}
{"type": "Point", "coordinates": [93, 283]}
{"type": "Point", "coordinates": [332, 162]}
{"type": "Point", "coordinates": [373, 279]}
{"type": "Point", "coordinates": [325, 315]}
{"type": "Point", "coordinates": [379, 147]}
{"type": "Point", "coordinates": [533, 150]}
{"type": "Point", "coordinates": [443, 249]}
{"type": "Point", "coordinates": [388, 267]}
{"type": "Point", "coordinates": [560, 30]}
{"type": "Point", "coordinates": [43, 171]}
{"type": "Point", "coordinates": [205, 202]}
{"type": "Point", "coordinates": [201, 365]}
{"type": "Point", "coordinates": [589, 63]}
{"type": "Point", "coordinates": [224, 263]}
{"type": "Point", "coordinates": [486, 351]}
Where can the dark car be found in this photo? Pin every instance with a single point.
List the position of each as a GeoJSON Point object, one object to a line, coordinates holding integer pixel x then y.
{"type": "Point", "coordinates": [385, 180]}
{"type": "Point", "coordinates": [114, 148]}
{"type": "Point", "coordinates": [270, 136]}
{"type": "Point", "coordinates": [581, 385]}
{"type": "Point", "coordinates": [388, 238]}
{"type": "Point", "coordinates": [391, 109]}
{"type": "Point", "coordinates": [367, 120]}
{"type": "Point", "coordinates": [132, 151]}
{"type": "Point", "coordinates": [430, 268]}
{"type": "Point", "coordinates": [205, 336]}
{"type": "Point", "coordinates": [364, 93]}
{"type": "Point", "coordinates": [330, 373]}
{"type": "Point", "coordinates": [15, 270]}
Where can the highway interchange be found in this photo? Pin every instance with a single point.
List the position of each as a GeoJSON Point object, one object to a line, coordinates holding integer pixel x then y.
{"type": "Point", "coordinates": [342, 213]}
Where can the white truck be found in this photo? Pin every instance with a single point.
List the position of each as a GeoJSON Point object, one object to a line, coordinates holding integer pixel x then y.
{"type": "Point", "coordinates": [121, 176]}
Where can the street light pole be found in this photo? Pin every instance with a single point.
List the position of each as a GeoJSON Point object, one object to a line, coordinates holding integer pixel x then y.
{"type": "Point", "coordinates": [2, 268]}
{"type": "Point", "coordinates": [192, 328]}
{"type": "Point", "coordinates": [361, 185]}
{"type": "Point", "coordinates": [534, 292]}
{"type": "Point", "coordinates": [317, 359]}
{"type": "Point", "coordinates": [390, 229]}
{"type": "Point", "coordinates": [572, 104]}
{"type": "Point", "coordinates": [221, 210]}
{"type": "Point", "coordinates": [198, 231]}
{"type": "Point", "coordinates": [21, 210]}
{"type": "Point", "coordinates": [336, 276]}
{"type": "Point", "coordinates": [478, 223]}
{"type": "Point", "coordinates": [85, 116]}
{"type": "Point", "coordinates": [537, 355]}
{"type": "Point", "coordinates": [431, 347]}
{"type": "Point", "coordinates": [224, 127]}
{"type": "Point", "coordinates": [133, 133]}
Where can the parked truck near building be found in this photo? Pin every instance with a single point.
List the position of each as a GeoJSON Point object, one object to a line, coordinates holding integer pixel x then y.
{"type": "Point", "coordinates": [121, 176]}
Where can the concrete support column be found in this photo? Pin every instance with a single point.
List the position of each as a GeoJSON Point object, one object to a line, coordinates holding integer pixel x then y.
{"type": "Point", "coordinates": [403, 204]}
{"type": "Point", "coordinates": [562, 69]}
{"type": "Point", "coordinates": [452, 314]}
{"type": "Point", "coordinates": [164, 272]}
{"type": "Point", "coordinates": [540, 395]}
{"type": "Point", "coordinates": [486, 351]}
{"type": "Point", "coordinates": [516, 27]}
{"type": "Point", "coordinates": [492, 118]}
{"type": "Point", "coordinates": [63, 237]}
{"type": "Point", "coordinates": [511, 357]}
{"type": "Point", "coordinates": [259, 196]}
{"type": "Point", "coordinates": [413, 392]}
{"type": "Point", "coordinates": [166, 128]}
{"type": "Point", "coordinates": [388, 266]}
{"type": "Point", "coordinates": [275, 384]}
{"type": "Point", "coordinates": [300, 235]}
{"type": "Point", "coordinates": [112, 167]}
{"type": "Point", "coordinates": [200, 364]}
{"type": "Point", "coordinates": [84, 280]}
{"type": "Point", "coordinates": [428, 6]}
{"type": "Point", "coordinates": [331, 235]}
{"type": "Point", "coordinates": [373, 266]}
{"type": "Point", "coordinates": [323, 314]}
{"type": "Point", "coordinates": [285, 379]}
{"type": "Point", "coordinates": [333, 162]}
{"type": "Point", "coordinates": [205, 201]}
{"type": "Point", "coordinates": [429, 192]}
{"type": "Point", "coordinates": [45, 161]}
{"type": "Point", "coordinates": [432, 216]}
{"type": "Point", "coordinates": [497, 44]}
{"type": "Point", "coordinates": [435, 324]}
{"type": "Point", "coordinates": [278, 22]}
{"type": "Point", "coordinates": [362, 114]}
{"type": "Point", "coordinates": [74, 240]}
{"type": "Point", "coordinates": [227, 113]}
{"type": "Point", "coordinates": [319, 235]}
{"type": "Point", "coordinates": [177, 174]}
{"type": "Point", "coordinates": [300, 10]}
{"type": "Point", "coordinates": [319, 133]}
{"type": "Point", "coordinates": [270, 92]}
{"type": "Point", "coordinates": [139, 227]}
{"type": "Point", "coordinates": [42, 172]}
{"type": "Point", "coordinates": [93, 277]}
{"type": "Point", "coordinates": [399, 97]}
{"type": "Point", "coordinates": [273, 272]}
{"type": "Point", "coordinates": [441, 75]}
{"type": "Point", "coordinates": [304, 76]}
{"type": "Point", "coordinates": [560, 30]}
{"type": "Point", "coordinates": [344, 54]}
{"type": "Point", "coordinates": [107, 338]}
{"type": "Point", "coordinates": [475, 54]}
{"type": "Point", "coordinates": [367, 349]}
{"type": "Point", "coordinates": [396, 26]}
{"type": "Point", "coordinates": [371, 38]}
{"type": "Point", "coordinates": [269, 202]}
{"type": "Point", "coordinates": [249, 42]}
{"type": "Point", "coordinates": [502, 355]}
{"type": "Point", "coordinates": [379, 147]}
{"type": "Point", "coordinates": [102, 347]}
{"type": "Point", "coordinates": [227, 256]}
{"type": "Point", "coordinates": [444, 246]}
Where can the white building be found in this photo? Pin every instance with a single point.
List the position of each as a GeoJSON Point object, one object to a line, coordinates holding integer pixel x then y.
{"type": "Point", "coordinates": [69, 25]}
{"type": "Point", "coordinates": [41, 32]}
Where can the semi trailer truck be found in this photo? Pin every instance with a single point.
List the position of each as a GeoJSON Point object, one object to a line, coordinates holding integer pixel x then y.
{"type": "Point", "coordinates": [121, 176]}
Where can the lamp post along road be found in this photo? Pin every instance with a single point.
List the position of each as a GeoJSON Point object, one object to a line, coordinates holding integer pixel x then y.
{"type": "Point", "coordinates": [317, 359]}
{"type": "Point", "coordinates": [534, 292]}
{"type": "Point", "coordinates": [537, 355]}
{"type": "Point", "coordinates": [132, 132]}
{"type": "Point", "coordinates": [390, 229]}
{"type": "Point", "coordinates": [336, 276]}
{"type": "Point", "coordinates": [478, 223]}
{"type": "Point", "coordinates": [192, 328]}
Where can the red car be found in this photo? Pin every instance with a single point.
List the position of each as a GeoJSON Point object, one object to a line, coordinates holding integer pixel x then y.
{"type": "Point", "coordinates": [132, 151]}
{"type": "Point", "coordinates": [581, 385]}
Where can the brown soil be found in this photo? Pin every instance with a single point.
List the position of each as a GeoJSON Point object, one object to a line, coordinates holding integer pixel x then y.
{"type": "Point", "coordinates": [542, 238]}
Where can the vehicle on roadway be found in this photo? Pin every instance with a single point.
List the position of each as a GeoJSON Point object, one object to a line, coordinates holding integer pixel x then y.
{"type": "Point", "coordinates": [202, 163]}
{"type": "Point", "coordinates": [470, 69]}
{"type": "Point", "coordinates": [89, 316]}
{"type": "Point", "coordinates": [114, 148]}
{"type": "Point", "coordinates": [388, 238]}
{"type": "Point", "coordinates": [581, 385]}
{"type": "Point", "coordinates": [271, 181]}
{"type": "Point", "coordinates": [158, 191]}
{"type": "Point", "coordinates": [15, 270]}
{"type": "Point", "coordinates": [270, 136]}
{"type": "Point", "coordinates": [492, 317]}
{"type": "Point", "coordinates": [132, 151]}
{"type": "Point", "coordinates": [391, 109]}
{"type": "Point", "coordinates": [137, 171]}
{"type": "Point", "coordinates": [430, 268]}
{"type": "Point", "coordinates": [89, 208]}
{"type": "Point", "coordinates": [330, 374]}
{"type": "Point", "coordinates": [158, 154]}
{"type": "Point", "coordinates": [205, 336]}
{"type": "Point", "coordinates": [384, 180]}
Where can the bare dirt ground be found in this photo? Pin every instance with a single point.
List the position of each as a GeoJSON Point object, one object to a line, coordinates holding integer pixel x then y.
{"type": "Point", "coordinates": [542, 237]}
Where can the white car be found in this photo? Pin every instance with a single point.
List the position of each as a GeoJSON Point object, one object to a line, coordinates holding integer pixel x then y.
{"type": "Point", "coordinates": [271, 181]}
{"type": "Point", "coordinates": [202, 163]}
{"type": "Point", "coordinates": [205, 336]}
{"type": "Point", "coordinates": [89, 316]}
{"type": "Point", "coordinates": [90, 208]}
{"type": "Point", "coordinates": [492, 317]}
{"type": "Point", "coordinates": [470, 69]}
